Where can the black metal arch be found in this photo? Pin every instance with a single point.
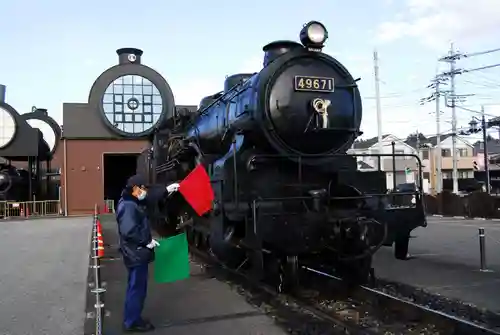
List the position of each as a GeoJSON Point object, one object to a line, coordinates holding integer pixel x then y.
{"type": "Point", "coordinates": [42, 115]}
{"type": "Point", "coordinates": [27, 141]}
{"type": "Point", "coordinates": [28, 145]}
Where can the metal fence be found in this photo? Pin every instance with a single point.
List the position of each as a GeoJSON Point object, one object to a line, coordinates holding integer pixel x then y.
{"type": "Point", "coordinates": [96, 284]}
{"type": "Point", "coordinates": [109, 206]}
{"type": "Point", "coordinates": [16, 209]}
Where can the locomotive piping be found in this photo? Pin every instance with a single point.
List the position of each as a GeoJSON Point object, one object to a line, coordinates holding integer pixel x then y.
{"type": "Point", "coordinates": [202, 112]}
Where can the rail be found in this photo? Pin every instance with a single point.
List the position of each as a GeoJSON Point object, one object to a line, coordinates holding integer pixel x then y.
{"type": "Point", "coordinates": [23, 209]}
{"type": "Point", "coordinates": [384, 313]}
{"type": "Point", "coordinates": [456, 325]}
{"type": "Point", "coordinates": [95, 283]}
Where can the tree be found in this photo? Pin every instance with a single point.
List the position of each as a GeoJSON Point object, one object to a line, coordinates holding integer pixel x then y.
{"type": "Point", "coordinates": [416, 135]}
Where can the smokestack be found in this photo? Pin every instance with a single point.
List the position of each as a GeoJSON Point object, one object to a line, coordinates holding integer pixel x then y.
{"type": "Point", "coordinates": [129, 56]}
{"type": "Point", "coordinates": [2, 93]}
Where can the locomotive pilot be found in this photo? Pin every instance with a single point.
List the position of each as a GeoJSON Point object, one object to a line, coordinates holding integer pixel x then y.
{"type": "Point", "coordinates": [137, 247]}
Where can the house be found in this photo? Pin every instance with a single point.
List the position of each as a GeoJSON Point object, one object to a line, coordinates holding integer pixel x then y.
{"type": "Point", "coordinates": [428, 155]}
{"type": "Point", "coordinates": [405, 166]}
{"type": "Point", "coordinates": [493, 154]}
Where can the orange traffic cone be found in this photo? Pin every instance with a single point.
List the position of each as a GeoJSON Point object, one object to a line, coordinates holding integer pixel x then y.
{"type": "Point", "coordinates": [100, 242]}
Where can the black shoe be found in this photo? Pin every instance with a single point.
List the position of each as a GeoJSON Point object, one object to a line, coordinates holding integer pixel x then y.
{"type": "Point", "coordinates": [141, 327]}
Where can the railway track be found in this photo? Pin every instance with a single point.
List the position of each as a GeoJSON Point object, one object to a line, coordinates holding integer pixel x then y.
{"type": "Point", "coordinates": [326, 307]}
{"type": "Point", "coordinates": [416, 314]}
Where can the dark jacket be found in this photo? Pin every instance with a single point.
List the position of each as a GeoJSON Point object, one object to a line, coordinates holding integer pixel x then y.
{"type": "Point", "coordinates": [134, 231]}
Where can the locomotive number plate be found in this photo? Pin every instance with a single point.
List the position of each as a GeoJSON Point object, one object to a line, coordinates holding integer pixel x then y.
{"type": "Point", "coordinates": [314, 84]}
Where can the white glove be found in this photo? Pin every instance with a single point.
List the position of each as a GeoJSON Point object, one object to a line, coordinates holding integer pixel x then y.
{"type": "Point", "coordinates": [173, 187]}
{"type": "Point", "coordinates": [152, 244]}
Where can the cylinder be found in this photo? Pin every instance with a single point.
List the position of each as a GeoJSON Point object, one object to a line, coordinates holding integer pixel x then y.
{"type": "Point", "coordinates": [2, 93]}
{"type": "Point", "coordinates": [482, 249]}
{"type": "Point", "coordinates": [129, 56]}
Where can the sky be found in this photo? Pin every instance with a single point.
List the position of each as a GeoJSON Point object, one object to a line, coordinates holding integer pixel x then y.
{"type": "Point", "coordinates": [52, 51]}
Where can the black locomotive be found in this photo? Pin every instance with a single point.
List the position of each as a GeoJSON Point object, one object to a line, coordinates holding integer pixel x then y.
{"type": "Point", "coordinates": [286, 193]}
{"type": "Point", "coordinates": [13, 183]}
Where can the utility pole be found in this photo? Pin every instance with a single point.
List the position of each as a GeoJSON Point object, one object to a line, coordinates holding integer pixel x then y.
{"type": "Point", "coordinates": [484, 127]}
{"type": "Point", "coordinates": [418, 143]}
{"type": "Point", "coordinates": [377, 97]}
{"type": "Point", "coordinates": [417, 180]}
{"type": "Point", "coordinates": [453, 121]}
{"type": "Point", "coordinates": [485, 150]}
{"type": "Point", "coordinates": [435, 96]}
{"type": "Point", "coordinates": [452, 59]}
{"type": "Point", "coordinates": [439, 178]}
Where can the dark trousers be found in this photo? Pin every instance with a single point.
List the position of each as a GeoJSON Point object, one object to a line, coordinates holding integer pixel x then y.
{"type": "Point", "coordinates": [136, 294]}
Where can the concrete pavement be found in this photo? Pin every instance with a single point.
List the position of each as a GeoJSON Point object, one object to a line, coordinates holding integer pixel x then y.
{"type": "Point", "coordinates": [43, 273]}
{"type": "Point", "coordinates": [447, 261]}
{"type": "Point", "coordinates": [197, 305]}
{"type": "Point", "coordinates": [456, 241]}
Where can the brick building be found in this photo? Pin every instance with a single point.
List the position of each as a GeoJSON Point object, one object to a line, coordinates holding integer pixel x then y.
{"type": "Point", "coordinates": [102, 137]}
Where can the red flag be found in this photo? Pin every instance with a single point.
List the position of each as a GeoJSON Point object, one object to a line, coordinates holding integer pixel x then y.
{"type": "Point", "coordinates": [197, 190]}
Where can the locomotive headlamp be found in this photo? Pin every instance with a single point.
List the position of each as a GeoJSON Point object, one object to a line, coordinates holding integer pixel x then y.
{"type": "Point", "coordinates": [313, 35]}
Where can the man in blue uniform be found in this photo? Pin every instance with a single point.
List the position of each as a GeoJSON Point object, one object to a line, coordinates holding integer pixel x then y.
{"type": "Point", "coordinates": [137, 247]}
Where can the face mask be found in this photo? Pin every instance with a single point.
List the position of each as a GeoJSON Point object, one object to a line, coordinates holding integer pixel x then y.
{"type": "Point", "coordinates": [142, 196]}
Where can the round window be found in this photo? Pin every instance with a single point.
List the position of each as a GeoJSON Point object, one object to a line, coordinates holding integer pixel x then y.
{"type": "Point", "coordinates": [7, 127]}
{"type": "Point", "coordinates": [132, 104]}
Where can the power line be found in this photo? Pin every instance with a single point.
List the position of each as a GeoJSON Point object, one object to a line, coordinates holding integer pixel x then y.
{"type": "Point", "coordinates": [441, 79]}
{"type": "Point", "coordinates": [481, 68]}
{"type": "Point", "coordinates": [480, 53]}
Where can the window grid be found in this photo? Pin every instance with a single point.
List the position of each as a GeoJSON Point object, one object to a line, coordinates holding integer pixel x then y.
{"type": "Point", "coordinates": [117, 110]}
{"type": "Point", "coordinates": [7, 127]}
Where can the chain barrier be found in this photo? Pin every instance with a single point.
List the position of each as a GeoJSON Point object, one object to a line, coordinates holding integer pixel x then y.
{"type": "Point", "coordinates": [97, 251]}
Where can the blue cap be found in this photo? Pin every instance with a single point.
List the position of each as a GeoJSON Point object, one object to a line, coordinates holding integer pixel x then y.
{"type": "Point", "coordinates": [137, 180]}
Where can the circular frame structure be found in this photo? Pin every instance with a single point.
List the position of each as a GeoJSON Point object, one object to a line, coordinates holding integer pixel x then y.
{"type": "Point", "coordinates": [6, 111]}
{"type": "Point", "coordinates": [133, 104]}
{"type": "Point", "coordinates": [164, 97]}
{"type": "Point", "coordinates": [40, 114]}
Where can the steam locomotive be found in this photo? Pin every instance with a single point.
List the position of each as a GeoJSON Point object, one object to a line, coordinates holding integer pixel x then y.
{"type": "Point", "coordinates": [275, 145]}
{"type": "Point", "coordinates": [13, 183]}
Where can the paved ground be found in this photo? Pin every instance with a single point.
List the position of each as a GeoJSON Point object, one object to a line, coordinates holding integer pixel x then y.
{"type": "Point", "coordinates": [198, 305]}
{"type": "Point", "coordinates": [447, 261]}
{"type": "Point", "coordinates": [457, 241]}
{"type": "Point", "coordinates": [43, 272]}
